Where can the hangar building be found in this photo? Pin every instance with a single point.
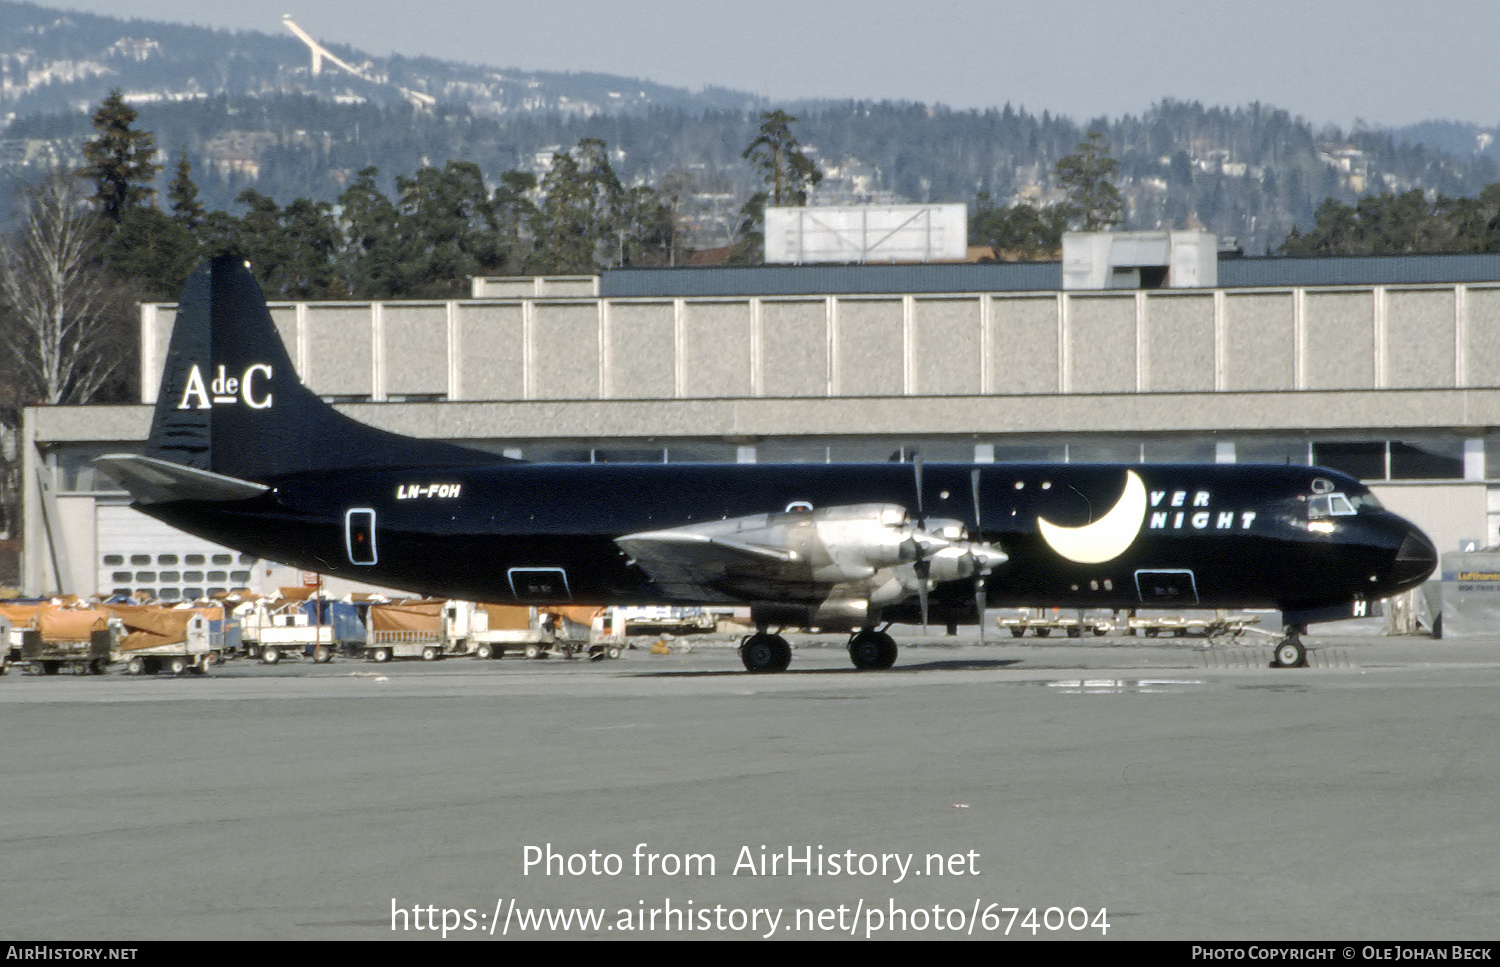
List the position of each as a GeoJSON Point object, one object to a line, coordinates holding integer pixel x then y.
{"type": "Point", "coordinates": [1385, 368]}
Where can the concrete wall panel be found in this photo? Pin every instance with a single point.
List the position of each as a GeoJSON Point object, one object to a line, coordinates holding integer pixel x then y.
{"type": "Point", "coordinates": [871, 347]}
{"type": "Point", "coordinates": [1260, 341]}
{"type": "Point", "coordinates": [1179, 343]}
{"type": "Point", "coordinates": [491, 351]}
{"type": "Point", "coordinates": [563, 362]}
{"type": "Point", "coordinates": [1101, 344]}
{"type": "Point", "coordinates": [1339, 340]}
{"type": "Point", "coordinates": [794, 347]}
{"type": "Point", "coordinates": [717, 349]}
{"type": "Point", "coordinates": [948, 343]}
{"type": "Point", "coordinates": [1023, 344]}
{"type": "Point", "coordinates": [285, 319]}
{"type": "Point", "coordinates": [416, 348]}
{"type": "Point", "coordinates": [1482, 338]}
{"type": "Point", "coordinates": [339, 359]}
{"type": "Point", "coordinates": [641, 351]}
{"type": "Point", "coordinates": [1419, 341]}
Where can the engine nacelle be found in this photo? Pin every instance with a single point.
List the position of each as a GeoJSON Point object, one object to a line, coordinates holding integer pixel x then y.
{"type": "Point", "coordinates": [863, 554]}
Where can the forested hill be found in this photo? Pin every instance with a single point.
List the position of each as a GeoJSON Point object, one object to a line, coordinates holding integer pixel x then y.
{"type": "Point", "coordinates": [246, 110]}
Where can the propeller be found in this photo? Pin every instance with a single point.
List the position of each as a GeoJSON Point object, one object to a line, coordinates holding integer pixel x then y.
{"type": "Point", "coordinates": [978, 557]}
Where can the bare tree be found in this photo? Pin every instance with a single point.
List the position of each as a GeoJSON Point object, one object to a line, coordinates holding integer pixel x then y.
{"type": "Point", "coordinates": [66, 321]}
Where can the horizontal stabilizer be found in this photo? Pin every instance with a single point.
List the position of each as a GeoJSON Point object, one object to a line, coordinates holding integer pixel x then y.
{"type": "Point", "coordinates": [153, 481]}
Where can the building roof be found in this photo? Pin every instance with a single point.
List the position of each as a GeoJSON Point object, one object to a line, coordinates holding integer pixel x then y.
{"type": "Point", "coordinates": [1234, 272]}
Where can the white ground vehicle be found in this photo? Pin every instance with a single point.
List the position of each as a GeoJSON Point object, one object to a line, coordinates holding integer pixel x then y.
{"type": "Point", "coordinates": [271, 634]}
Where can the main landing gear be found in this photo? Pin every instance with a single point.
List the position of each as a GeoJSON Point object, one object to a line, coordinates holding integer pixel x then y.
{"type": "Point", "coordinates": [869, 650]}
{"type": "Point", "coordinates": [872, 650]}
{"type": "Point", "coordinates": [765, 652]}
{"type": "Point", "coordinates": [1289, 651]}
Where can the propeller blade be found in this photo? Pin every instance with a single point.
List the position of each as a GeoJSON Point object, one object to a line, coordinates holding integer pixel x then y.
{"type": "Point", "coordinates": [978, 524]}
{"type": "Point", "coordinates": [980, 600]}
{"type": "Point", "coordinates": [979, 588]}
{"type": "Point", "coordinates": [916, 463]}
{"type": "Point", "coordinates": [923, 567]}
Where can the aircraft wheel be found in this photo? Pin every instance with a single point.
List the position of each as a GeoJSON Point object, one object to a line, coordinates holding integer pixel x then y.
{"type": "Point", "coordinates": [382, 654]}
{"type": "Point", "coordinates": [1290, 654]}
{"type": "Point", "coordinates": [764, 652]}
{"type": "Point", "coordinates": [872, 650]}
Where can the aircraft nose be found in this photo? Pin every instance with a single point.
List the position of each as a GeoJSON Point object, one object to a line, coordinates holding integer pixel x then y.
{"type": "Point", "coordinates": [1415, 559]}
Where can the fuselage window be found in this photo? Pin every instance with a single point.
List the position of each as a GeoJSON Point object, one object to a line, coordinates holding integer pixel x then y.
{"type": "Point", "coordinates": [359, 535]}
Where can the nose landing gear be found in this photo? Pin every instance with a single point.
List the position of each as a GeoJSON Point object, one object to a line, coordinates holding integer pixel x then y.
{"type": "Point", "coordinates": [1289, 651]}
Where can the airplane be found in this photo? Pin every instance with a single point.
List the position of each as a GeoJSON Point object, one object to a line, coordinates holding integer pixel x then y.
{"type": "Point", "coordinates": [241, 453]}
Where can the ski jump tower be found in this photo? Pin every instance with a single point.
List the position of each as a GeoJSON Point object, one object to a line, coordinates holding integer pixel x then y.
{"type": "Point", "coordinates": [321, 53]}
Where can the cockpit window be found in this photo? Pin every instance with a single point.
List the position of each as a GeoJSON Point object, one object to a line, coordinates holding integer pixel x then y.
{"type": "Point", "coordinates": [1329, 505]}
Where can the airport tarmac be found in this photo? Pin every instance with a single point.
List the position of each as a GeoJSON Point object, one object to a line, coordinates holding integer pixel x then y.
{"type": "Point", "coordinates": [1102, 788]}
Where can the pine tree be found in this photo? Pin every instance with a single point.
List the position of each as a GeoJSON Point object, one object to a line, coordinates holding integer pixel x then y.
{"type": "Point", "coordinates": [182, 194]}
{"type": "Point", "coordinates": [1086, 174]}
{"type": "Point", "coordinates": [121, 160]}
{"type": "Point", "coordinates": [777, 155]}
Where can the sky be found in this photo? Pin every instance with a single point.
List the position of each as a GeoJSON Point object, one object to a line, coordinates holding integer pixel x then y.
{"type": "Point", "coordinates": [1377, 62]}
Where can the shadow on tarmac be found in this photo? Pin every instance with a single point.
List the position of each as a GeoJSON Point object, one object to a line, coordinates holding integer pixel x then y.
{"type": "Point", "coordinates": [975, 664]}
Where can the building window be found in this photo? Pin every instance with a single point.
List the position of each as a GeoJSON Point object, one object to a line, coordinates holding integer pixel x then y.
{"type": "Point", "coordinates": [1362, 460]}
{"type": "Point", "coordinates": [1427, 460]}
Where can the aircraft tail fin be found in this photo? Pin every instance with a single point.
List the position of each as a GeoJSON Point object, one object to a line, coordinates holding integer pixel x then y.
{"type": "Point", "coordinates": [231, 403]}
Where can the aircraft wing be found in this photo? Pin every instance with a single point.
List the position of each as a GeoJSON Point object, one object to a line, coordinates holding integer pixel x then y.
{"type": "Point", "coordinates": [701, 566]}
{"type": "Point", "coordinates": [153, 481]}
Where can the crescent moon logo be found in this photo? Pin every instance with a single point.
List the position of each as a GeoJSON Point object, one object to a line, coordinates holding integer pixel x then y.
{"type": "Point", "coordinates": [1106, 538]}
